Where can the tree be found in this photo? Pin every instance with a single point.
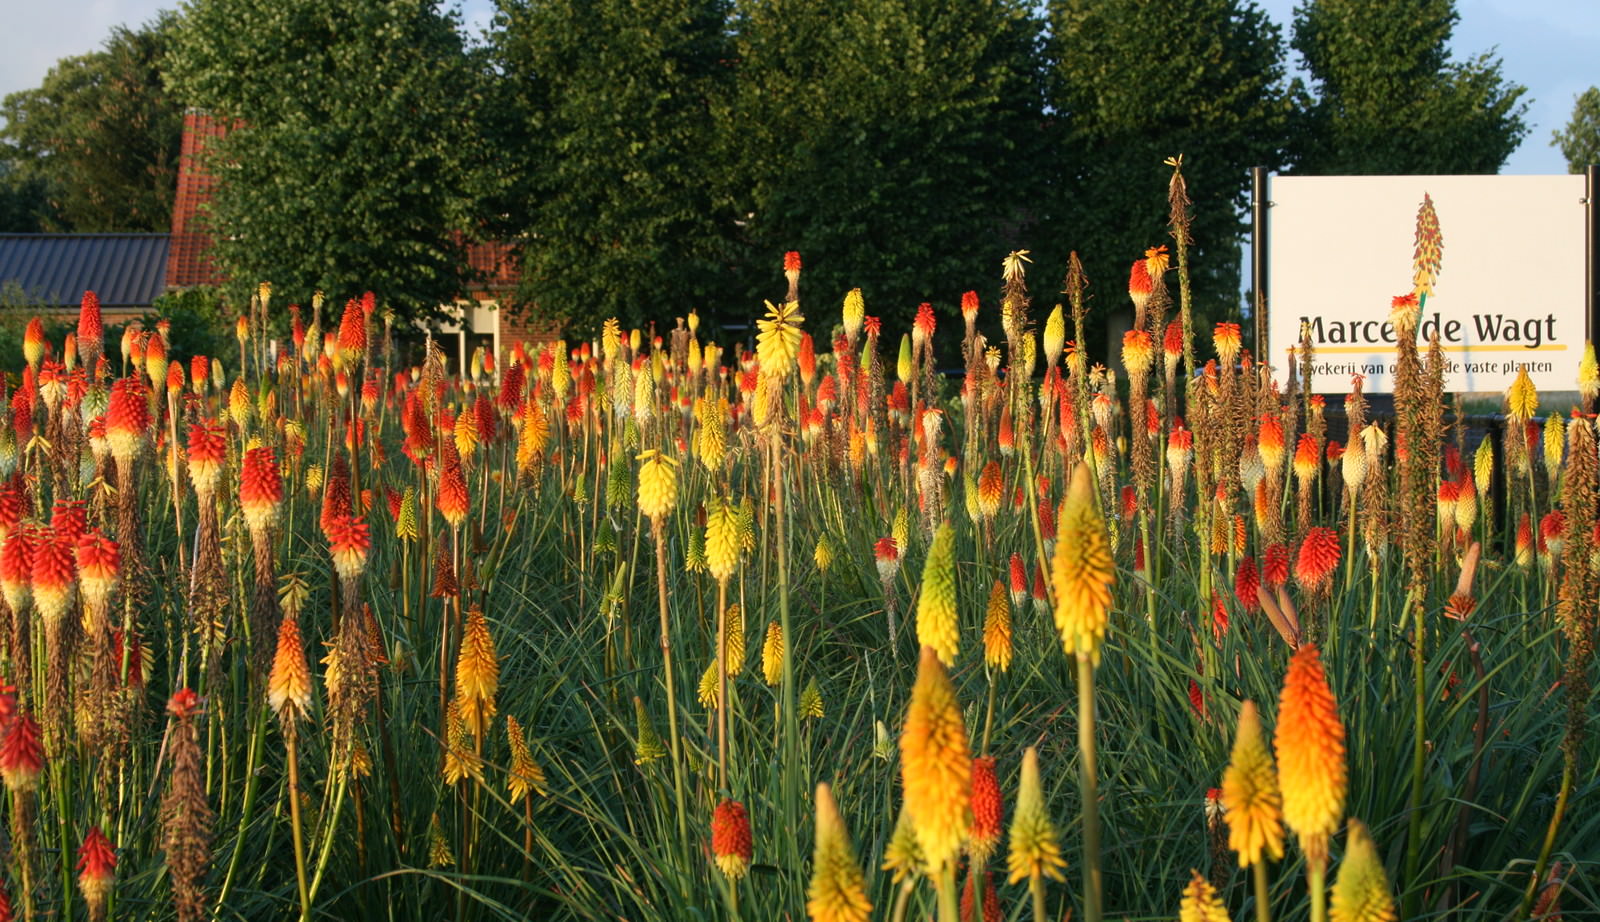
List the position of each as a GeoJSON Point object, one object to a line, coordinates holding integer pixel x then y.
{"type": "Point", "coordinates": [94, 148]}
{"type": "Point", "coordinates": [1579, 142]}
{"type": "Point", "coordinates": [622, 207]}
{"type": "Point", "coordinates": [1391, 100]}
{"type": "Point", "coordinates": [894, 143]}
{"type": "Point", "coordinates": [353, 161]}
{"type": "Point", "coordinates": [1135, 82]}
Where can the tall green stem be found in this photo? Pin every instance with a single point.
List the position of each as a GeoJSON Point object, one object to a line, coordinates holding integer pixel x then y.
{"type": "Point", "coordinates": [1263, 906]}
{"type": "Point", "coordinates": [1316, 880]}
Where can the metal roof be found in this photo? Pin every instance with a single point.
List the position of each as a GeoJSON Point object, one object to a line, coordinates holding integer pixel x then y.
{"type": "Point", "coordinates": [124, 270]}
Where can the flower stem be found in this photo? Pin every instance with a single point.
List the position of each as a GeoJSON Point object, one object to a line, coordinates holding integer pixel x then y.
{"type": "Point", "coordinates": [1316, 874]}
{"type": "Point", "coordinates": [1089, 787]}
{"type": "Point", "coordinates": [1263, 907]}
{"type": "Point", "coordinates": [294, 819]}
{"type": "Point", "coordinates": [658, 527]}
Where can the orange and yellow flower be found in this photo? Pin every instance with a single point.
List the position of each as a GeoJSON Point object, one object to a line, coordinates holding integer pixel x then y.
{"type": "Point", "coordinates": [1311, 754]}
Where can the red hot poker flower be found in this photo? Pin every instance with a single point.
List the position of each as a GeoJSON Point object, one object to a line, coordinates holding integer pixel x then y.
{"type": "Point", "coordinates": [21, 754]}
{"type": "Point", "coordinates": [97, 867]}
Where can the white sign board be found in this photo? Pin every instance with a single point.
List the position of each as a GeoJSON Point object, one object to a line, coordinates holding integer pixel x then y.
{"type": "Point", "coordinates": [1509, 293]}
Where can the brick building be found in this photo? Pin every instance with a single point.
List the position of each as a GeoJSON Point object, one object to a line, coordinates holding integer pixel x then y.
{"type": "Point", "coordinates": [128, 271]}
{"type": "Point", "coordinates": [485, 317]}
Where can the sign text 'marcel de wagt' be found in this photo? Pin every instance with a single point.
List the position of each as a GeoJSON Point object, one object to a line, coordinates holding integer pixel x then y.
{"type": "Point", "coordinates": [1509, 294]}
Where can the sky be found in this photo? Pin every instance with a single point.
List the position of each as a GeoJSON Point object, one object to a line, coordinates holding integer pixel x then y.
{"type": "Point", "coordinates": [1546, 45]}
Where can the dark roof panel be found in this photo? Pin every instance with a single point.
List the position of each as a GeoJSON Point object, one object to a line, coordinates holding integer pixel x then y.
{"type": "Point", "coordinates": [125, 270]}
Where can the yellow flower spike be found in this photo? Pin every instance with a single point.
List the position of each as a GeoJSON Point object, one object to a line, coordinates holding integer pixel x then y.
{"type": "Point", "coordinates": [1588, 374]}
{"type": "Point", "coordinates": [1055, 337]}
{"type": "Point", "coordinates": [823, 555]}
{"type": "Point", "coordinates": [997, 629]}
{"type": "Point", "coordinates": [477, 674]}
{"type": "Point", "coordinates": [1522, 400]}
{"type": "Point", "coordinates": [405, 527]}
{"type": "Point", "coordinates": [1081, 571]}
{"type": "Point", "coordinates": [1250, 799]}
{"type": "Point", "coordinates": [1361, 893]}
{"type": "Point", "coordinates": [936, 603]}
{"type": "Point", "coordinates": [903, 365]}
{"type": "Point", "coordinates": [778, 342]}
{"type": "Point", "coordinates": [1035, 849]}
{"type": "Point", "coordinates": [525, 776]}
{"type": "Point", "coordinates": [706, 691]}
{"type": "Point", "coordinates": [772, 654]}
{"type": "Point", "coordinates": [735, 616]}
{"type": "Point", "coordinates": [854, 312]}
{"type": "Point", "coordinates": [722, 540]}
{"type": "Point", "coordinates": [658, 485]}
{"type": "Point", "coordinates": [936, 765]}
{"type": "Point", "coordinates": [1311, 757]}
{"type": "Point", "coordinates": [902, 857]}
{"type": "Point", "coordinates": [811, 701]}
{"type": "Point", "coordinates": [647, 743]}
{"type": "Point", "coordinates": [838, 891]}
{"type": "Point", "coordinates": [1483, 467]}
{"type": "Point", "coordinates": [1200, 902]}
{"type": "Point", "coordinates": [1555, 445]}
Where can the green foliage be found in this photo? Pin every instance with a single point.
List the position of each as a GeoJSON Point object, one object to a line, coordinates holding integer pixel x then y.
{"type": "Point", "coordinates": [353, 159]}
{"type": "Point", "coordinates": [622, 206]}
{"type": "Point", "coordinates": [94, 148]}
{"type": "Point", "coordinates": [201, 322]}
{"type": "Point", "coordinates": [1579, 141]}
{"type": "Point", "coordinates": [1390, 99]}
{"type": "Point", "coordinates": [22, 201]}
{"type": "Point", "coordinates": [878, 138]}
{"type": "Point", "coordinates": [1133, 83]}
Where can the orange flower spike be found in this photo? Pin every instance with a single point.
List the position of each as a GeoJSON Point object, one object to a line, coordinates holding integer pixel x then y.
{"type": "Point", "coordinates": [352, 333]}
{"type": "Point", "coordinates": [260, 489]}
{"type": "Point", "coordinates": [1312, 773]}
{"type": "Point", "coordinates": [16, 568]}
{"type": "Point", "coordinates": [731, 842]}
{"type": "Point", "coordinates": [289, 684]}
{"type": "Point", "coordinates": [453, 501]}
{"type": "Point", "coordinates": [207, 452]}
{"type": "Point", "coordinates": [127, 418]}
{"type": "Point", "coordinates": [33, 343]}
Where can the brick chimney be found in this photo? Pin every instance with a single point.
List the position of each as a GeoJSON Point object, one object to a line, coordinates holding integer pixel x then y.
{"type": "Point", "coordinates": [187, 262]}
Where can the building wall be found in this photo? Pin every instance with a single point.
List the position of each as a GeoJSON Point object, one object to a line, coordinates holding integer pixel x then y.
{"type": "Point", "coordinates": [187, 262]}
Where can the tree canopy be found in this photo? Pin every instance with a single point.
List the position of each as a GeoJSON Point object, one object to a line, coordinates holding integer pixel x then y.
{"type": "Point", "coordinates": [657, 156]}
{"type": "Point", "coordinates": [1579, 141]}
{"type": "Point", "coordinates": [1132, 83]}
{"type": "Point", "coordinates": [353, 160]}
{"type": "Point", "coordinates": [94, 147]}
{"type": "Point", "coordinates": [1390, 99]}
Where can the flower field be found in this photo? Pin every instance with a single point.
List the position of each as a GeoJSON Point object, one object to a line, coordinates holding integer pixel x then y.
{"type": "Point", "coordinates": [648, 627]}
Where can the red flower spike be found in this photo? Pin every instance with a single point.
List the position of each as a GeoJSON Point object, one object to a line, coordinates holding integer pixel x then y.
{"type": "Point", "coordinates": [21, 754]}
{"type": "Point", "coordinates": [1245, 583]}
{"type": "Point", "coordinates": [183, 704]}
{"type": "Point", "coordinates": [1275, 566]}
{"type": "Point", "coordinates": [1318, 557]}
{"type": "Point", "coordinates": [97, 867]}
{"type": "Point", "coordinates": [348, 543]}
